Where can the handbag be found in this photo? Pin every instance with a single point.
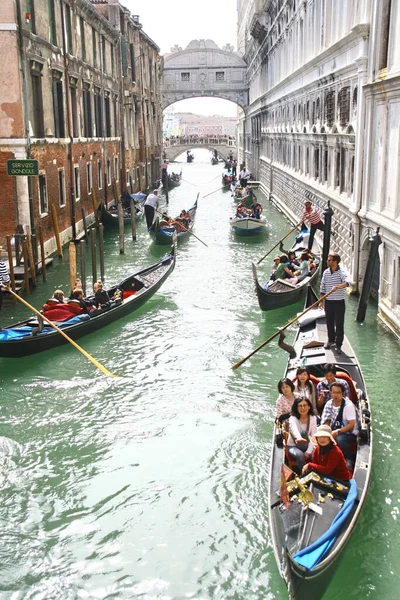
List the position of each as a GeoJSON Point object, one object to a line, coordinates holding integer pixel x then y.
{"type": "Point", "coordinates": [304, 445]}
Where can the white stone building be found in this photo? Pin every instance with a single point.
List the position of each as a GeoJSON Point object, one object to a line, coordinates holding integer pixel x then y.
{"type": "Point", "coordinates": [323, 121]}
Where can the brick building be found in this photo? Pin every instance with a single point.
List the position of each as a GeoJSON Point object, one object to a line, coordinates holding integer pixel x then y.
{"type": "Point", "coordinates": [80, 93]}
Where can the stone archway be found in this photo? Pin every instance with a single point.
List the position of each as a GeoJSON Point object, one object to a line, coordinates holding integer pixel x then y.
{"type": "Point", "coordinates": [204, 69]}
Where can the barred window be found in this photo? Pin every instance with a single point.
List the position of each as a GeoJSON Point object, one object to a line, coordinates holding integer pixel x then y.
{"type": "Point", "coordinates": [344, 106]}
{"type": "Point", "coordinates": [185, 76]}
{"type": "Point", "coordinates": [44, 205]}
{"type": "Point", "coordinates": [220, 76]}
{"type": "Point", "coordinates": [329, 112]}
{"type": "Point", "coordinates": [355, 98]}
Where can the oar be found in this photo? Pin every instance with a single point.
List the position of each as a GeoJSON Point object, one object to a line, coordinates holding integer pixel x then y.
{"type": "Point", "coordinates": [93, 360]}
{"type": "Point", "coordinates": [238, 364]}
{"type": "Point", "coordinates": [217, 190]}
{"type": "Point", "coordinates": [273, 248]}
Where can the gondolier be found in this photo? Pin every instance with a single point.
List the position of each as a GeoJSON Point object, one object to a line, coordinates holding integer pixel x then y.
{"type": "Point", "coordinates": [4, 277]}
{"type": "Point", "coordinates": [244, 176]}
{"type": "Point", "coordinates": [150, 206]}
{"type": "Point", "coordinates": [334, 278]}
{"type": "Point", "coordinates": [311, 215]}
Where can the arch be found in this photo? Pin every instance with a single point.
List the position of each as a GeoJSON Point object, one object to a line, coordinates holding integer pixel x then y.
{"type": "Point", "coordinates": [203, 69]}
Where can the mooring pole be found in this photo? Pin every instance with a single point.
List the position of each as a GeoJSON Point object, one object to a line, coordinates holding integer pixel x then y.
{"type": "Point", "coordinates": [376, 241]}
{"type": "Point", "coordinates": [328, 212]}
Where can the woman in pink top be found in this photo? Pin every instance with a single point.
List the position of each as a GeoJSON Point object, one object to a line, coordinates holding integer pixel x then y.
{"type": "Point", "coordinates": [285, 400]}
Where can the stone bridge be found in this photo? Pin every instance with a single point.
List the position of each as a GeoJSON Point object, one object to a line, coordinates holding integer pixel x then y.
{"type": "Point", "coordinates": [204, 69]}
{"type": "Point", "coordinates": [173, 147]}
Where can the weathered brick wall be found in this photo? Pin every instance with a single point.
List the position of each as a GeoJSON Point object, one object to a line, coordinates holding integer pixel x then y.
{"type": "Point", "coordinates": [7, 204]}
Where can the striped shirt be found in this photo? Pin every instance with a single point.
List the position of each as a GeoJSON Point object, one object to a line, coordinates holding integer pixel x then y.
{"type": "Point", "coordinates": [331, 278]}
{"type": "Point", "coordinates": [311, 216]}
{"type": "Point", "coordinates": [4, 276]}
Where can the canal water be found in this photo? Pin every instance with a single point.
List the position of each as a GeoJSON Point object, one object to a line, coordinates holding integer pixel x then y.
{"type": "Point", "coordinates": [154, 485]}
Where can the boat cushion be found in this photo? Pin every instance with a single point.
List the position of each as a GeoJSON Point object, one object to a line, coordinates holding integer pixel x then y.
{"type": "Point", "coordinates": [18, 333]}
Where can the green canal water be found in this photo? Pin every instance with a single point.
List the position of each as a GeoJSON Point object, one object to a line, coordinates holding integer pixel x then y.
{"type": "Point", "coordinates": [154, 485]}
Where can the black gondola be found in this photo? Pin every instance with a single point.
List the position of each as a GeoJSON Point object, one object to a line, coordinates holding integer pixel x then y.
{"type": "Point", "coordinates": [308, 534]}
{"type": "Point", "coordinates": [18, 340]}
{"type": "Point", "coordinates": [282, 293]}
{"type": "Point", "coordinates": [109, 216]}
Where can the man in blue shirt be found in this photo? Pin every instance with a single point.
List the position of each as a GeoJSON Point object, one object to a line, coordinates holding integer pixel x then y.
{"type": "Point", "coordinates": [4, 278]}
{"type": "Point", "coordinates": [336, 280]}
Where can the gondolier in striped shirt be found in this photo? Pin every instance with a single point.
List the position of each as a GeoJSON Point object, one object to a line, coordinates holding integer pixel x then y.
{"type": "Point", "coordinates": [334, 278]}
{"type": "Point", "coordinates": [311, 215]}
{"type": "Point", "coordinates": [4, 277]}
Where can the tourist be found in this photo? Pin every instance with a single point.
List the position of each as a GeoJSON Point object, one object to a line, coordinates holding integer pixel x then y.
{"type": "Point", "coordinates": [255, 209]}
{"type": "Point", "coordinates": [324, 386]}
{"type": "Point", "coordinates": [336, 280]}
{"type": "Point", "coordinates": [340, 414]}
{"type": "Point", "coordinates": [283, 271]}
{"type": "Point", "coordinates": [285, 399]}
{"type": "Point", "coordinates": [305, 387]}
{"type": "Point", "coordinates": [327, 458]}
{"type": "Point", "coordinates": [302, 426]}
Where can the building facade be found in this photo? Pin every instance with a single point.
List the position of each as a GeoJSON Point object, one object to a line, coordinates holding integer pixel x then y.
{"type": "Point", "coordinates": [323, 122]}
{"type": "Point", "coordinates": [80, 94]}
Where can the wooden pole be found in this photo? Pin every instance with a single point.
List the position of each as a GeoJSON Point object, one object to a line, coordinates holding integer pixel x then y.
{"type": "Point", "coordinates": [131, 183]}
{"type": "Point", "coordinates": [101, 250]}
{"type": "Point", "coordinates": [26, 271]}
{"type": "Point", "coordinates": [82, 257]}
{"type": "Point", "coordinates": [93, 251]}
{"type": "Point", "coordinates": [133, 220]}
{"type": "Point", "coordinates": [121, 228]}
{"type": "Point", "coordinates": [55, 228]}
{"type": "Point", "coordinates": [95, 207]}
{"type": "Point", "coordinates": [11, 264]}
{"type": "Point", "coordinates": [277, 244]}
{"type": "Point", "coordinates": [42, 256]}
{"type": "Point", "coordinates": [30, 255]}
{"type": "Point", "coordinates": [84, 222]}
{"type": "Point", "coordinates": [72, 265]}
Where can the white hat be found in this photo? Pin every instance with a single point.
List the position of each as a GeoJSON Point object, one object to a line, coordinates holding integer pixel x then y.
{"type": "Point", "coordinates": [323, 431]}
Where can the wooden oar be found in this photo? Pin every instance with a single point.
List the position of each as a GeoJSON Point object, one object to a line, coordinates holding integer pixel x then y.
{"type": "Point", "coordinates": [93, 360]}
{"type": "Point", "coordinates": [273, 248]}
{"type": "Point", "coordinates": [238, 364]}
{"type": "Point", "coordinates": [217, 190]}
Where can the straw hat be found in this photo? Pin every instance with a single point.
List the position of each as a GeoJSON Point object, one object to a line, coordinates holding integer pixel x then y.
{"type": "Point", "coordinates": [323, 431]}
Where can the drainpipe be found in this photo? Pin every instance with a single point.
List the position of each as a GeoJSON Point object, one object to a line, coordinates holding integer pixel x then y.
{"type": "Point", "coordinates": [69, 125]}
{"type": "Point", "coordinates": [357, 210]}
{"type": "Point", "coordinates": [26, 113]}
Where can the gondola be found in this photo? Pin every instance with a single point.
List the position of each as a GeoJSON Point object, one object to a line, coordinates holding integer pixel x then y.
{"type": "Point", "coordinates": [214, 161]}
{"type": "Point", "coordinates": [109, 216]}
{"type": "Point", "coordinates": [20, 339]}
{"type": "Point", "coordinates": [308, 534]}
{"type": "Point", "coordinates": [248, 226]}
{"type": "Point", "coordinates": [162, 234]}
{"type": "Point", "coordinates": [280, 292]}
{"type": "Point", "coordinates": [173, 181]}
{"type": "Point", "coordinates": [227, 180]}
{"type": "Point", "coordinates": [189, 157]}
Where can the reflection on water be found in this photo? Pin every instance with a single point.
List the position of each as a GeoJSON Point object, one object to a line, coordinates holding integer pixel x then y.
{"type": "Point", "coordinates": [155, 485]}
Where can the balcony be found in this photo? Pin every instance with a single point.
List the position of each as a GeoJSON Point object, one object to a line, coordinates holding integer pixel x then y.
{"type": "Point", "coordinates": [258, 26]}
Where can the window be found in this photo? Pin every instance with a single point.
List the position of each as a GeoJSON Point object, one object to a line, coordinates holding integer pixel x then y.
{"type": "Point", "coordinates": [316, 163]}
{"type": "Point", "coordinates": [115, 115]}
{"type": "Point", "coordinates": [116, 168]}
{"type": "Point", "coordinates": [87, 113]}
{"type": "Point", "coordinates": [185, 76]}
{"type": "Point", "coordinates": [44, 206]}
{"type": "Point", "coordinates": [94, 47]}
{"type": "Point", "coordinates": [107, 115]}
{"type": "Point", "coordinates": [98, 113]}
{"type": "Point", "coordinates": [112, 61]}
{"type": "Point", "coordinates": [37, 102]}
{"type": "Point", "coordinates": [77, 181]}
{"type": "Point", "coordinates": [74, 111]}
{"type": "Point", "coordinates": [132, 54]}
{"type": "Point", "coordinates": [329, 108]}
{"type": "Point", "coordinates": [89, 177]}
{"type": "Point", "coordinates": [68, 28]}
{"type": "Point", "coordinates": [344, 106]}
{"type": "Point", "coordinates": [99, 174]}
{"type": "Point", "coordinates": [104, 53]}
{"type": "Point", "coordinates": [58, 106]}
{"type": "Point", "coordinates": [52, 23]}
{"type": "Point", "coordinates": [83, 40]}
{"type": "Point", "coordinates": [30, 10]}
{"type": "Point", "coordinates": [108, 171]}
{"type": "Point", "coordinates": [61, 187]}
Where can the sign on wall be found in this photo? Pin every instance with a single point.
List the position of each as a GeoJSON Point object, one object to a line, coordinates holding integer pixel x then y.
{"type": "Point", "coordinates": [23, 167]}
